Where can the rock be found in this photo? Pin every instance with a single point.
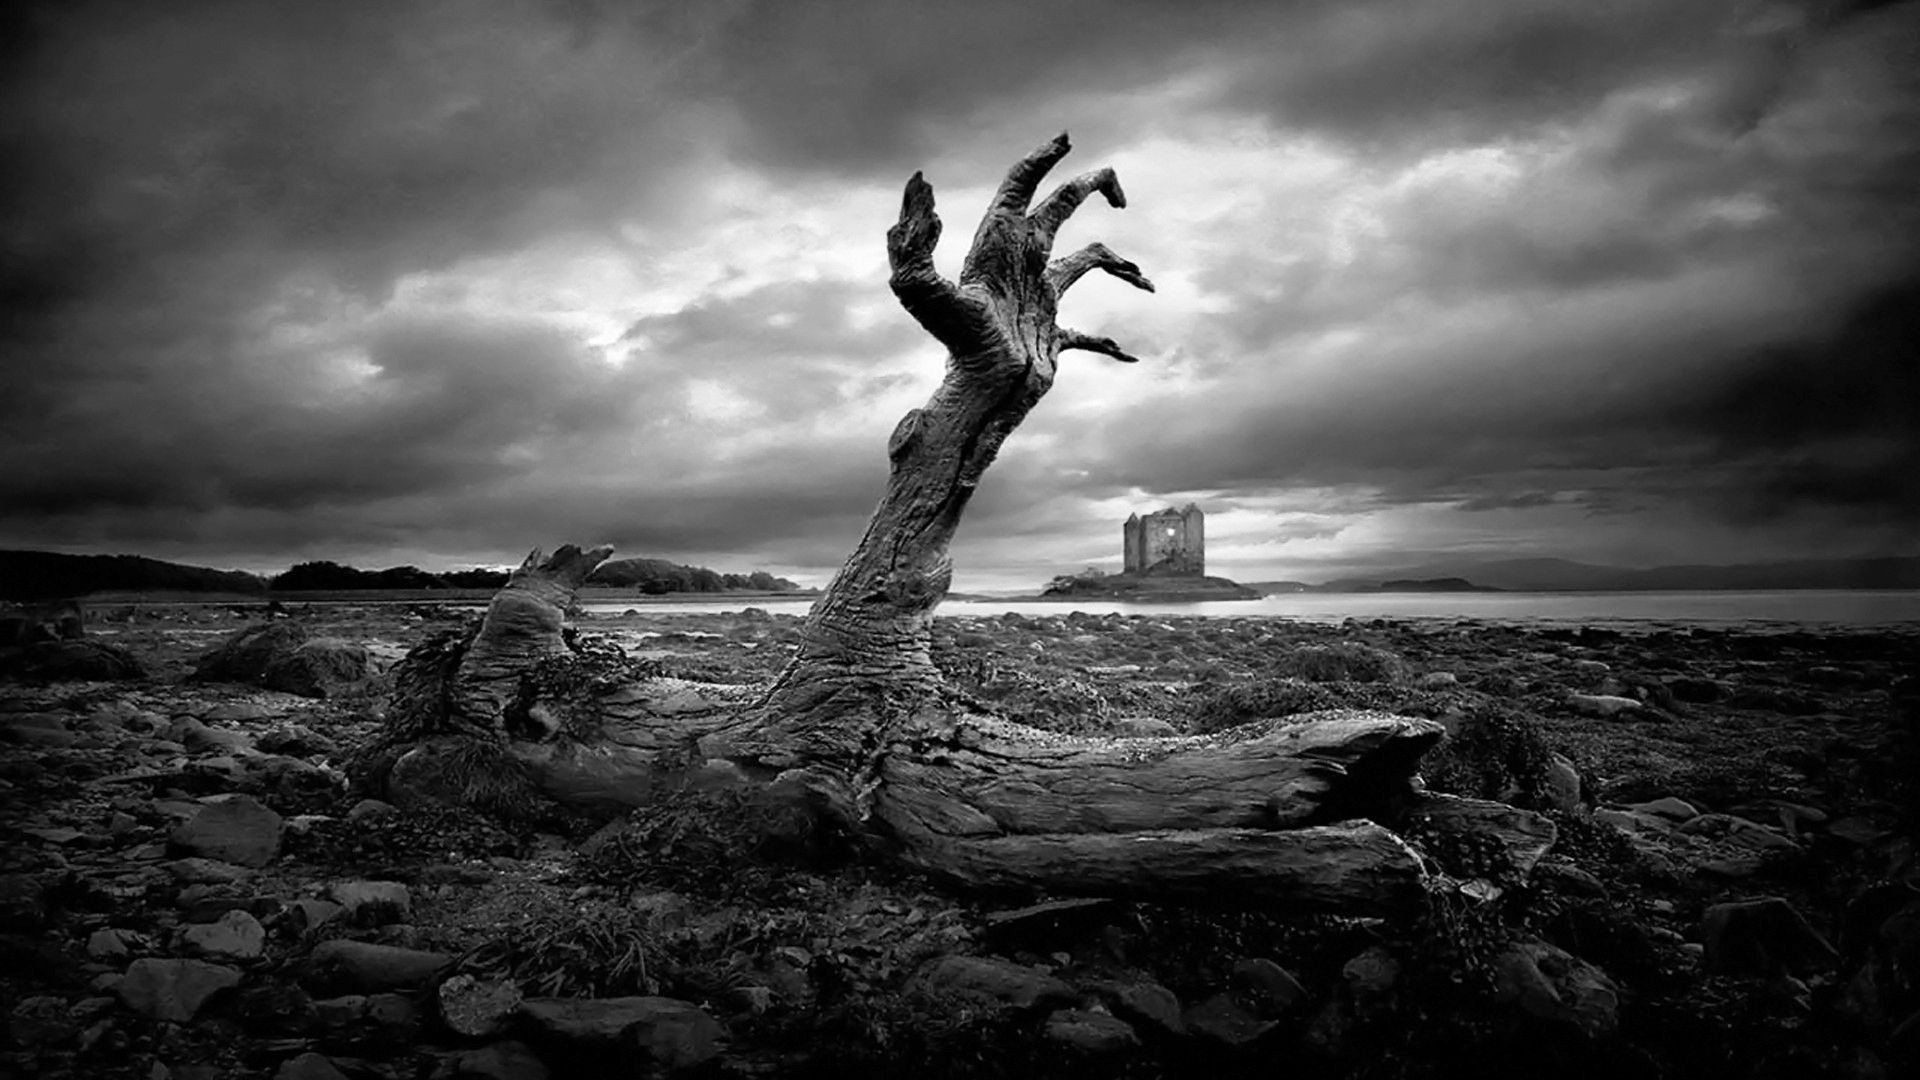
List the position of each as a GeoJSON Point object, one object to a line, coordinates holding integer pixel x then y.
{"type": "Point", "coordinates": [1562, 784]}
{"type": "Point", "coordinates": [673, 1033]}
{"type": "Point", "coordinates": [318, 668]}
{"type": "Point", "coordinates": [1570, 878]}
{"type": "Point", "coordinates": [310, 914]}
{"type": "Point", "coordinates": [1668, 808]}
{"type": "Point", "coordinates": [1369, 979]}
{"type": "Point", "coordinates": [1144, 1004]}
{"type": "Point", "coordinates": [342, 966]}
{"type": "Point", "coordinates": [337, 1014]}
{"type": "Point", "coordinates": [296, 741]}
{"type": "Point", "coordinates": [1437, 680]}
{"type": "Point", "coordinates": [276, 1008]}
{"type": "Point", "coordinates": [199, 738]}
{"type": "Point", "coordinates": [1551, 984]}
{"type": "Point", "coordinates": [1761, 937]}
{"type": "Point", "coordinates": [372, 903]}
{"type": "Point", "coordinates": [1602, 705]}
{"type": "Point", "coordinates": [1861, 831]}
{"type": "Point", "coordinates": [392, 1019]}
{"type": "Point", "coordinates": [22, 901]}
{"type": "Point", "coordinates": [236, 936]}
{"type": "Point", "coordinates": [75, 661]}
{"type": "Point", "coordinates": [477, 1008]}
{"type": "Point", "coordinates": [308, 1066]}
{"type": "Point", "coordinates": [1631, 822]}
{"type": "Point", "coordinates": [500, 1061]}
{"type": "Point", "coordinates": [369, 809]}
{"type": "Point", "coordinates": [37, 729]}
{"type": "Point", "coordinates": [1733, 868]}
{"type": "Point", "coordinates": [107, 944]}
{"type": "Point", "coordinates": [195, 870]}
{"type": "Point", "coordinates": [753, 1000]}
{"type": "Point", "coordinates": [57, 620]}
{"type": "Point", "coordinates": [1095, 1034]}
{"type": "Point", "coordinates": [173, 990]}
{"type": "Point", "coordinates": [243, 656]}
{"type": "Point", "coordinates": [40, 1021]}
{"type": "Point", "coordinates": [1268, 987]}
{"type": "Point", "coordinates": [235, 829]}
{"type": "Point", "coordinates": [1224, 1020]}
{"type": "Point", "coordinates": [1011, 985]}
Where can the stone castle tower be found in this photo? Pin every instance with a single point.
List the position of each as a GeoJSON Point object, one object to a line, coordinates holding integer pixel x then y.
{"type": "Point", "coordinates": [1172, 542]}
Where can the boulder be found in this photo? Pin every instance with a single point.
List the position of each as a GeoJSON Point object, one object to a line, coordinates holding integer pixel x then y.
{"type": "Point", "coordinates": [1269, 988]}
{"type": "Point", "coordinates": [319, 668]}
{"type": "Point", "coordinates": [283, 655]}
{"type": "Point", "coordinates": [1144, 1004]}
{"type": "Point", "coordinates": [1225, 1020]}
{"type": "Point", "coordinates": [342, 966]}
{"type": "Point", "coordinates": [44, 1020]}
{"type": "Point", "coordinates": [1003, 982]}
{"type": "Point", "coordinates": [477, 1008]}
{"type": "Point", "coordinates": [372, 903]}
{"type": "Point", "coordinates": [1762, 937]}
{"type": "Point", "coordinates": [243, 656]}
{"type": "Point", "coordinates": [235, 829]}
{"type": "Point", "coordinates": [1551, 984]}
{"type": "Point", "coordinates": [175, 990]}
{"type": "Point", "coordinates": [1094, 1034]}
{"type": "Point", "coordinates": [309, 1066]}
{"type": "Point", "coordinates": [1675, 810]}
{"type": "Point", "coordinates": [236, 935]}
{"type": "Point", "coordinates": [1561, 784]}
{"type": "Point", "coordinates": [28, 624]}
{"type": "Point", "coordinates": [671, 1033]}
{"type": "Point", "coordinates": [500, 1061]}
{"type": "Point", "coordinates": [296, 740]}
{"type": "Point", "coordinates": [70, 661]}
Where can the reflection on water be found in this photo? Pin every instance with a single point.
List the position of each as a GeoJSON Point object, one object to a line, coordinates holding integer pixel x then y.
{"type": "Point", "coordinates": [1808, 606]}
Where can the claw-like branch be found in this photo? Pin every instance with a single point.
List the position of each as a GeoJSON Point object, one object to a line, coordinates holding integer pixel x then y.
{"type": "Point", "coordinates": [1016, 191]}
{"type": "Point", "coordinates": [1074, 339]}
{"type": "Point", "coordinates": [1059, 206]}
{"type": "Point", "coordinates": [1064, 271]}
{"type": "Point", "coordinates": [932, 300]}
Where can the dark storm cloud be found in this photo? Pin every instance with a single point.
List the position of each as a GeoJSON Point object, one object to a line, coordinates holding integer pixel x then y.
{"type": "Point", "coordinates": [211, 216]}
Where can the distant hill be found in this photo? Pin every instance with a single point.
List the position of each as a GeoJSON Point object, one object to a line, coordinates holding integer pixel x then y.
{"type": "Point", "coordinates": [41, 575]}
{"type": "Point", "coordinates": [661, 576]}
{"type": "Point", "coordinates": [1443, 584]}
{"type": "Point", "coordinates": [325, 576]}
{"type": "Point", "coordinates": [44, 575]}
{"type": "Point", "coordinates": [1562, 575]}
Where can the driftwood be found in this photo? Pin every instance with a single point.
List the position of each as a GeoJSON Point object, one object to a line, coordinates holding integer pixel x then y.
{"type": "Point", "coordinates": [858, 733]}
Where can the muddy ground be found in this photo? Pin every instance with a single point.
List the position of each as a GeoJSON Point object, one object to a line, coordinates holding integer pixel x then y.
{"type": "Point", "coordinates": [1733, 894]}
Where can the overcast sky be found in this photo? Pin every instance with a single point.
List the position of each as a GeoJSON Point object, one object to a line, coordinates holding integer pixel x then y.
{"type": "Point", "coordinates": [1633, 282]}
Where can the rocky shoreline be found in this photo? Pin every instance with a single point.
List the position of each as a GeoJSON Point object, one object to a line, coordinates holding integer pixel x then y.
{"type": "Point", "coordinates": [189, 889]}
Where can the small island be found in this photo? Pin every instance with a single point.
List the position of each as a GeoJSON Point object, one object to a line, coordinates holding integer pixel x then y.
{"type": "Point", "coordinates": [1165, 559]}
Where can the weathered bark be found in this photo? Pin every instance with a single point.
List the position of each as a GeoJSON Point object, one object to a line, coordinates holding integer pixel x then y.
{"type": "Point", "coordinates": [858, 731]}
{"type": "Point", "coordinates": [869, 635]}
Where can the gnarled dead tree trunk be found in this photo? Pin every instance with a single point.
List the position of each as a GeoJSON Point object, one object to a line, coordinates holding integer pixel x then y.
{"type": "Point", "coordinates": [858, 731]}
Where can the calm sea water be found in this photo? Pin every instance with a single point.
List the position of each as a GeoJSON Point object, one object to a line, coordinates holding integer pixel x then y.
{"type": "Point", "coordinates": [1801, 606]}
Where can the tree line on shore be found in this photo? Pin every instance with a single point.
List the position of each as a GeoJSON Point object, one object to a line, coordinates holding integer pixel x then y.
{"type": "Point", "coordinates": [40, 575]}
